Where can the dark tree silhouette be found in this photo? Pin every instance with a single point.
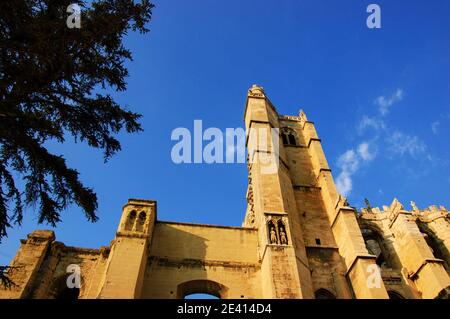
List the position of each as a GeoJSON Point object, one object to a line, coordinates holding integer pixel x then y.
{"type": "Point", "coordinates": [5, 280]}
{"type": "Point", "coordinates": [52, 86]}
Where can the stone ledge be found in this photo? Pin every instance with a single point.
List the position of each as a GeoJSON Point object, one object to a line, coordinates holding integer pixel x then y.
{"type": "Point", "coordinates": [130, 234]}
{"type": "Point", "coordinates": [205, 225]}
{"type": "Point", "coordinates": [321, 247]}
{"type": "Point", "coordinates": [301, 187]}
{"type": "Point", "coordinates": [176, 262]}
{"type": "Point", "coordinates": [313, 139]}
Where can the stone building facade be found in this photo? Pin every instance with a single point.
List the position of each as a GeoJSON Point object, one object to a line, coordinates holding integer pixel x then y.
{"type": "Point", "coordinates": [299, 239]}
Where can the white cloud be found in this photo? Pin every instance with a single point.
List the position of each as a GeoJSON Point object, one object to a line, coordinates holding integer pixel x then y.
{"type": "Point", "coordinates": [385, 103]}
{"type": "Point", "coordinates": [365, 152]}
{"type": "Point", "coordinates": [344, 183]}
{"type": "Point", "coordinates": [392, 142]}
{"type": "Point", "coordinates": [435, 126]}
{"type": "Point", "coordinates": [401, 143]}
{"type": "Point", "coordinates": [349, 163]}
{"type": "Point", "coordinates": [370, 122]}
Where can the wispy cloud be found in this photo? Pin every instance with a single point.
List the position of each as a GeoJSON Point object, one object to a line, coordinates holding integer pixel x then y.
{"type": "Point", "coordinates": [393, 142]}
{"type": "Point", "coordinates": [344, 183]}
{"type": "Point", "coordinates": [349, 163]}
{"type": "Point", "coordinates": [365, 152]}
{"type": "Point", "coordinates": [372, 123]}
{"type": "Point", "coordinates": [384, 103]}
{"type": "Point", "coordinates": [401, 143]}
{"type": "Point", "coordinates": [435, 127]}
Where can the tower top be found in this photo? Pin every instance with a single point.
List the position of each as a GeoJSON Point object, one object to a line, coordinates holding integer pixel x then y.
{"type": "Point", "coordinates": [256, 86]}
{"type": "Point", "coordinates": [256, 91]}
{"type": "Point", "coordinates": [302, 115]}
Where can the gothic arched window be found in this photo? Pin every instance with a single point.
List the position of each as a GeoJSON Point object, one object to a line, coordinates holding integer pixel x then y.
{"type": "Point", "coordinates": [284, 138]}
{"type": "Point", "coordinates": [141, 221]}
{"type": "Point", "coordinates": [60, 290]}
{"type": "Point", "coordinates": [130, 220]}
{"type": "Point", "coordinates": [437, 249]}
{"type": "Point", "coordinates": [375, 246]}
{"type": "Point", "coordinates": [292, 139]}
{"type": "Point", "coordinates": [288, 136]}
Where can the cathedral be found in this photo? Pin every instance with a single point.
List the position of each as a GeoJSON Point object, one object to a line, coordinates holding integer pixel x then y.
{"type": "Point", "coordinates": [299, 239]}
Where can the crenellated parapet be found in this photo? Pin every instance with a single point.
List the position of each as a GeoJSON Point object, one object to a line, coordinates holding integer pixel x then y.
{"type": "Point", "coordinates": [420, 241]}
{"type": "Point", "coordinates": [432, 213]}
{"type": "Point", "coordinates": [391, 212]}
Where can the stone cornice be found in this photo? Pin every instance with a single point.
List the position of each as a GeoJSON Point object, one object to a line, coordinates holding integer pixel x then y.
{"type": "Point", "coordinates": [177, 262]}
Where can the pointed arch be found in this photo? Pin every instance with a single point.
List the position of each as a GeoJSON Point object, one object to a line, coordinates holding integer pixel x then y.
{"type": "Point", "coordinates": [435, 244]}
{"type": "Point", "coordinates": [202, 286]}
{"type": "Point", "coordinates": [129, 223]}
{"type": "Point", "coordinates": [289, 136]}
{"type": "Point", "coordinates": [60, 290]}
{"type": "Point", "coordinates": [375, 245]}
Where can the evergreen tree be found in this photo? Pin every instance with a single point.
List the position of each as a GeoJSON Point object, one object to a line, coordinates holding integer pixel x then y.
{"type": "Point", "coordinates": [52, 87]}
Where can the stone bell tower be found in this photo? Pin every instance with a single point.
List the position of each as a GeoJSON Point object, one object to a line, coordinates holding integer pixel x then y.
{"type": "Point", "coordinates": [302, 221]}
{"type": "Point", "coordinates": [272, 205]}
{"type": "Point", "coordinates": [129, 251]}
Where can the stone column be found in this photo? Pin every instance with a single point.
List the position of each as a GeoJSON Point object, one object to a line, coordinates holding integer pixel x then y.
{"type": "Point", "coordinates": [284, 267]}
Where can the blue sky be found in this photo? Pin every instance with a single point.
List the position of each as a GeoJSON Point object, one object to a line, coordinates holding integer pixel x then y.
{"type": "Point", "coordinates": [380, 99]}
